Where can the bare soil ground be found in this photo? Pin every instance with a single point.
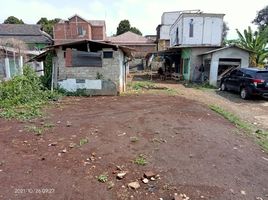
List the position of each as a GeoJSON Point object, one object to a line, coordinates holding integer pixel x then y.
{"type": "Point", "coordinates": [194, 150]}
{"type": "Point", "coordinates": [254, 111]}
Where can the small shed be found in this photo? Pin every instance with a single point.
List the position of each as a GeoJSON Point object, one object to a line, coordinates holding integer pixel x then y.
{"type": "Point", "coordinates": [96, 67]}
{"type": "Point", "coordinates": [220, 61]}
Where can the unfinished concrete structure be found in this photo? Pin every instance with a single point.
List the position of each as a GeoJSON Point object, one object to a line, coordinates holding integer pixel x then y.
{"type": "Point", "coordinates": [98, 68]}
{"type": "Point", "coordinates": [77, 28]}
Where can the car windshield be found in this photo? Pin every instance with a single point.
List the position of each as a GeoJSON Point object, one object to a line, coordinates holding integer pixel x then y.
{"type": "Point", "coordinates": [262, 75]}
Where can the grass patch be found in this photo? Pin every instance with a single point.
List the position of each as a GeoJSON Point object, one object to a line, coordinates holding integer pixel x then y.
{"type": "Point", "coordinates": [134, 139]}
{"type": "Point", "coordinates": [103, 178]}
{"type": "Point", "coordinates": [200, 86]}
{"type": "Point", "coordinates": [140, 160]}
{"type": "Point", "coordinates": [23, 96]}
{"type": "Point", "coordinates": [83, 141]}
{"type": "Point", "coordinates": [140, 85]}
{"type": "Point", "coordinates": [260, 135]}
{"type": "Point", "coordinates": [232, 118]}
{"type": "Point", "coordinates": [35, 129]}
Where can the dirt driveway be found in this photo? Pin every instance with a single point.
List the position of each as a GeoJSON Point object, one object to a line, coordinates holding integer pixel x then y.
{"type": "Point", "coordinates": [195, 152]}
{"type": "Point", "coordinates": [254, 111]}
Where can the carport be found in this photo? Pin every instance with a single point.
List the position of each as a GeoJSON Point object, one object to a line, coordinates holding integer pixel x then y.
{"type": "Point", "coordinates": [221, 61]}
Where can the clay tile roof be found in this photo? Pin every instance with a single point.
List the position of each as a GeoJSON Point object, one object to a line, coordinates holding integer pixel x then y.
{"type": "Point", "coordinates": [97, 22]}
{"type": "Point", "coordinates": [130, 38]}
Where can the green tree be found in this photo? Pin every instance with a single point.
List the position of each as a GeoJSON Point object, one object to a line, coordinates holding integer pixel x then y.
{"type": "Point", "coordinates": [256, 42]}
{"type": "Point", "coordinates": [124, 26]}
{"type": "Point", "coordinates": [13, 20]}
{"type": "Point", "coordinates": [262, 18]}
{"type": "Point", "coordinates": [47, 25]}
{"type": "Point", "coordinates": [135, 30]}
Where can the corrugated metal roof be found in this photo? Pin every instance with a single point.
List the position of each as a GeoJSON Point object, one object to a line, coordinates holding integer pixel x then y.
{"type": "Point", "coordinates": [26, 32]}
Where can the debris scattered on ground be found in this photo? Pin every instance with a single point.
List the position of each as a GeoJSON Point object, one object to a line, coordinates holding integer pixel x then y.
{"type": "Point", "coordinates": [265, 158]}
{"type": "Point", "coordinates": [64, 151]}
{"type": "Point", "coordinates": [159, 140]}
{"type": "Point", "coordinates": [181, 197]}
{"type": "Point", "coordinates": [121, 175]}
{"type": "Point", "coordinates": [243, 192]}
{"type": "Point", "coordinates": [110, 185]}
{"type": "Point", "coordinates": [232, 191]}
{"type": "Point", "coordinates": [149, 174]}
{"type": "Point", "coordinates": [259, 198]}
{"type": "Point", "coordinates": [145, 180]}
{"type": "Point", "coordinates": [52, 144]}
{"type": "Point", "coordinates": [72, 145]}
{"type": "Point", "coordinates": [68, 124]}
{"type": "Point", "coordinates": [120, 168]}
{"type": "Point", "coordinates": [122, 134]}
{"type": "Point", "coordinates": [134, 185]}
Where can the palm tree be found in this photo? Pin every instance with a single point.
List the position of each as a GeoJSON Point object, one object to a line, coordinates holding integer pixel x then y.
{"type": "Point", "coordinates": [256, 42]}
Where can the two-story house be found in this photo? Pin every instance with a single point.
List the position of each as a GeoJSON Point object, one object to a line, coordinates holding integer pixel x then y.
{"type": "Point", "coordinates": [77, 28]}
{"type": "Point", "coordinates": [196, 51]}
{"type": "Point", "coordinates": [163, 29]}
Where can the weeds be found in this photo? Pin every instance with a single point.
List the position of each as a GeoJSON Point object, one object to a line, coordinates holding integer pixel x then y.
{"type": "Point", "coordinates": [134, 139]}
{"type": "Point", "coordinates": [23, 96]}
{"type": "Point", "coordinates": [36, 130]}
{"type": "Point", "coordinates": [201, 86]}
{"type": "Point", "coordinates": [232, 118]}
{"type": "Point", "coordinates": [103, 178]}
{"type": "Point", "coordinates": [141, 160]}
{"type": "Point", "coordinates": [139, 85]}
{"type": "Point", "coordinates": [260, 135]}
{"type": "Point", "coordinates": [83, 141]}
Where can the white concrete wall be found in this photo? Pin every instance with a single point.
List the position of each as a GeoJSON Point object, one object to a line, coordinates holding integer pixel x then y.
{"type": "Point", "coordinates": [234, 53]}
{"type": "Point", "coordinates": [207, 30]}
{"type": "Point", "coordinates": [71, 85]}
{"type": "Point", "coordinates": [164, 32]}
{"type": "Point", "coordinates": [198, 31]}
{"type": "Point", "coordinates": [169, 18]}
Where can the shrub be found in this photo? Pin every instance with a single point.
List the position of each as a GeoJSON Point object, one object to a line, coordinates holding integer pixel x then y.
{"type": "Point", "coordinates": [22, 96]}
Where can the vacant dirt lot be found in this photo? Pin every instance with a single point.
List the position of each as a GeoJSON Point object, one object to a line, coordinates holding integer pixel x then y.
{"type": "Point", "coordinates": [195, 152]}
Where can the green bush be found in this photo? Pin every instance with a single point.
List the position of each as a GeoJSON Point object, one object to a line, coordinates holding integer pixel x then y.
{"type": "Point", "coordinates": [22, 96]}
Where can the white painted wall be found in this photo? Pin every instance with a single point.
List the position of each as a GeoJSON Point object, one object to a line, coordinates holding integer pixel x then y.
{"type": "Point", "coordinates": [71, 85]}
{"type": "Point", "coordinates": [233, 52]}
{"type": "Point", "coordinates": [207, 30]}
{"type": "Point", "coordinates": [168, 18]}
{"type": "Point", "coordinates": [164, 32]}
{"type": "Point", "coordinates": [122, 72]}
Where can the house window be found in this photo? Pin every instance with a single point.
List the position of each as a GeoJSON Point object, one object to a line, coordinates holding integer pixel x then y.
{"type": "Point", "coordinates": [186, 65]}
{"type": "Point", "coordinates": [191, 28]}
{"type": "Point", "coordinates": [107, 54]}
{"type": "Point", "coordinates": [80, 30]}
{"type": "Point", "coordinates": [177, 35]}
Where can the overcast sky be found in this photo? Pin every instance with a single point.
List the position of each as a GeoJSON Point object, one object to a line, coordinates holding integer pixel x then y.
{"type": "Point", "coordinates": [143, 14]}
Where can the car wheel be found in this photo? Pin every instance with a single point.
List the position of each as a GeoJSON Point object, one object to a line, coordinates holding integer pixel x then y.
{"type": "Point", "coordinates": [223, 87]}
{"type": "Point", "coordinates": [244, 93]}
